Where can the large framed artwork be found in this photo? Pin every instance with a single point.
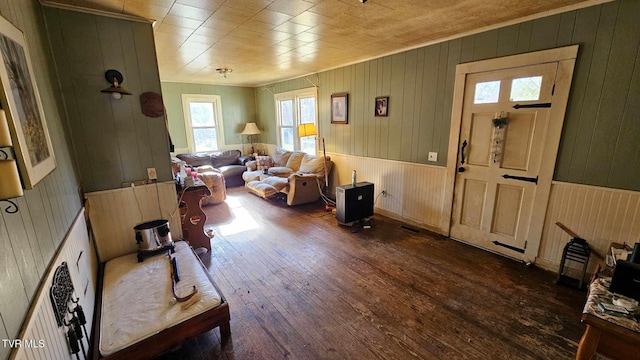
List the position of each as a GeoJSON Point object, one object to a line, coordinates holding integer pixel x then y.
{"type": "Point", "coordinates": [339, 108]}
{"type": "Point", "coordinates": [20, 100]}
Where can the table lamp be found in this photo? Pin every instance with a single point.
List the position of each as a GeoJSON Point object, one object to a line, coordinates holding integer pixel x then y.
{"type": "Point", "coordinates": [251, 129]}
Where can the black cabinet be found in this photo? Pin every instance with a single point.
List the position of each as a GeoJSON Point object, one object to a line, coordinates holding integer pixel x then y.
{"type": "Point", "coordinates": [354, 203]}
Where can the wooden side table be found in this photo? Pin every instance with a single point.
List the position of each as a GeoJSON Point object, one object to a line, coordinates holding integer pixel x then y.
{"type": "Point", "coordinates": [194, 219]}
{"type": "Point", "coordinates": [613, 336]}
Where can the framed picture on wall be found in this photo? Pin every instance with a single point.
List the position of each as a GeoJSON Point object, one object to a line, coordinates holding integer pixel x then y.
{"type": "Point", "coordinates": [382, 106]}
{"type": "Point", "coordinates": [339, 108]}
{"type": "Point", "coordinates": [20, 100]}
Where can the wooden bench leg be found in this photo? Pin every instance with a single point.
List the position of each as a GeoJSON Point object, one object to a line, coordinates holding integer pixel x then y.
{"type": "Point", "coordinates": [588, 343]}
{"type": "Point", "coordinates": [225, 332]}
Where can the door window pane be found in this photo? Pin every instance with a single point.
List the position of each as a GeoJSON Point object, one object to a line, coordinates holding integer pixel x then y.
{"type": "Point", "coordinates": [205, 139]}
{"type": "Point", "coordinates": [526, 89]}
{"type": "Point", "coordinates": [487, 92]}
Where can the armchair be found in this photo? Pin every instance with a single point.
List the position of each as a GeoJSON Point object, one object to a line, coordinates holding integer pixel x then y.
{"type": "Point", "coordinates": [301, 178]}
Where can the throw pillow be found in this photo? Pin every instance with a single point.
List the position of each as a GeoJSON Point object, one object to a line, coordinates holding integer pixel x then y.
{"type": "Point", "coordinates": [294, 160]}
{"type": "Point", "coordinates": [281, 156]}
{"type": "Point", "coordinates": [312, 165]}
{"type": "Point", "coordinates": [263, 162]}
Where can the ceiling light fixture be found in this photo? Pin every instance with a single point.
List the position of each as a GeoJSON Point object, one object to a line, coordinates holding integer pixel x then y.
{"type": "Point", "coordinates": [224, 72]}
{"type": "Point", "coordinates": [114, 77]}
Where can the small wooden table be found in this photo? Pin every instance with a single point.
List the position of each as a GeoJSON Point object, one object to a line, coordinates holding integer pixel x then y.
{"type": "Point", "coordinates": [616, 337]}
{"type": "Point", "coordinates": [194, 219]}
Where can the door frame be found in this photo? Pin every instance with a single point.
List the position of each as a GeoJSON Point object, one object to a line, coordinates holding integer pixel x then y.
{"type": "Point", "coordinates": [566, 58]}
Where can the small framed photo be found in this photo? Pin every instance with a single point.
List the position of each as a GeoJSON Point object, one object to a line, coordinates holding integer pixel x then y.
{"type": "Point", "coordinates": [382, 106]}
{"type": "Point", "coordinates": [339, 108]}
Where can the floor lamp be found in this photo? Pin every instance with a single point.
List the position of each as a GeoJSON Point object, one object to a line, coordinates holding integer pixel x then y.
{"type": "Point", "coordinates": [310, 130]}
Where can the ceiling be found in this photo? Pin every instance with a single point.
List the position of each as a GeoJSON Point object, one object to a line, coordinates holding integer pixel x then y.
{"type": "Point", "coordinates": [265, 41]}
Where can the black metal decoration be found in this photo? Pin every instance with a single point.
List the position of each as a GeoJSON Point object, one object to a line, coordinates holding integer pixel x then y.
{"type": "Point", "coordinates": [61, 292]}
{"type": "Point", "coordinates": [82, 319]}
{"type": "Point", "coordinates": [521, 178]}
{"type": "Point", "coordinates": [577, 251]}
{"type": "Point", "coordinates": [509, 247]}
{"type": "Point", "coordinates": [13, 207]}
{"type": "Point", "coordinates": [528, 106]}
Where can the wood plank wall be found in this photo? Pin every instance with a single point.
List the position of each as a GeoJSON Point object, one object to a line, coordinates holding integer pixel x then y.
{"type": "Point", "coordinates": [415, 192]}
{"type": "Point", "coordinates": [30, 237]}
{"type": "Point", "coordinates": [599, 215]}
{"type": "Point", "coordinates": [79, 252]}
{"type": "Point", "coordinates": [599, 145]}
{"type": "Point", "coordinates": [114, 213]}
{"type": "Point", "coordinates": [113, 141]}
{"type": "Point", "coordinates": [238, 108]}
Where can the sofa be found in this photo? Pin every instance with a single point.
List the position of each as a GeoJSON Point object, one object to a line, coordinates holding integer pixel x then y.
{"type": "Point", "coordinates": [299, 176]}
{"type": "Point", "coordinates": [230, 163]}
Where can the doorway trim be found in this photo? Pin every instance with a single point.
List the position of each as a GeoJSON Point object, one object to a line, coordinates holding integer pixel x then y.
{"type": "Point", "coordinates": [566, 58]}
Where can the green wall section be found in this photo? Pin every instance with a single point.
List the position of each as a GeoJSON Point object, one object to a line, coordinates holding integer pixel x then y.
{"type": "Point", "coordinates": [238, 108]}
{"type": "Point", "coordinates": [600, 142]}
{"type": "Point", "coordinates": [30, 237]}
{"type": "Point", "coordinates": [114, 142]}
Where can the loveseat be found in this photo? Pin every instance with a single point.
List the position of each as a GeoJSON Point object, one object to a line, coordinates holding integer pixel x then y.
{"type": "Point", "coordinates": [300, 176]}
{"type": "Point", "coordinates": [230, 163]}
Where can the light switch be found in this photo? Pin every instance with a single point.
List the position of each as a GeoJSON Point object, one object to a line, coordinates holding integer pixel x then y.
{"type": "Point", "coordinates": [433, 156]}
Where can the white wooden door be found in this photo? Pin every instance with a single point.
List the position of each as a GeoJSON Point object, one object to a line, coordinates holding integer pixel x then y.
{"type": "Point", "coordinates": [505, 123]}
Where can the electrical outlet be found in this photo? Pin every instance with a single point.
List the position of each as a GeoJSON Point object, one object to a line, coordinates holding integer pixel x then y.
{"type": "Point", "coordinates": [433, 156]}
{"type": "Point", "coordinates": [384, 193]}
{"type": "Point", "coordinates": [151, 172]}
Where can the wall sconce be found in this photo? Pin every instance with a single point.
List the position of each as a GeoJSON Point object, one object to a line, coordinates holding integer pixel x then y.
{"type": "Point", "coordinates": [251, 129]}
{"type": "Point", "coordinates": [114, 77]}
{"type": "Point", "coordinates": [10, 184]}
{"type": "Point", "coordinates": [224, 72]}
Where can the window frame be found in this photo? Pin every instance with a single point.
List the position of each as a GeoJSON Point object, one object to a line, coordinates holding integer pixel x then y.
{"type": "Point", "coordinates": [296, 96]}
{"type": "Point", "coordinates": [217, 108]}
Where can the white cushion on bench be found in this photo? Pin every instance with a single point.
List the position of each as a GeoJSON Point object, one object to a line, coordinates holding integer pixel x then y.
{"type": "Point", "coordinates": [136, 296]}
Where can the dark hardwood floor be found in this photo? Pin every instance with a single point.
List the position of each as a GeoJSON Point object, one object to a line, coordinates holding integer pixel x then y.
{"type": "Point", "coordinates": [300, 286]}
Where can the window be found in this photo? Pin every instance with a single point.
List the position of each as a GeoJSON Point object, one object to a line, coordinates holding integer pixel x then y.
{"type": "Point", "coordinates": [292, 109]}
{"type": "Point", "coordinates": [203, 122]}
{"type": "Point", "coordinates": [526, 89]}
{"type": "Point", "coordinates": [487, 92]}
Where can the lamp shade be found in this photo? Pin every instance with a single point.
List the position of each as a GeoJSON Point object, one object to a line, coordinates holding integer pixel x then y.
{"type": "Point", "coordinates": [10, 185]}
{"type": "Point", "coordinates": [251, 129]}
{"type": "Point", "coordinates": [5, 135]}
{"type": "Point", "coordinates": [307, 130]}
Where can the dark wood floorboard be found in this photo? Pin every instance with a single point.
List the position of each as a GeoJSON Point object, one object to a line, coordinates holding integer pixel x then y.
{"type": "Point", "coordinates": [300, 286]}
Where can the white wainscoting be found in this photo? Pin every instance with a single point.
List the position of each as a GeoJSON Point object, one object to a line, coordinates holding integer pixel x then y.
{"type": "Point", "coordinates": [416, 195]}
{"type": "Point", "coordinates": [415, 191]}
{"type": "Point", "coordinates": [599, 215]}
{"type": "Point", "coordinates": [115, 212]}
{"type": "Point", "coordinates": [40, 327]}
